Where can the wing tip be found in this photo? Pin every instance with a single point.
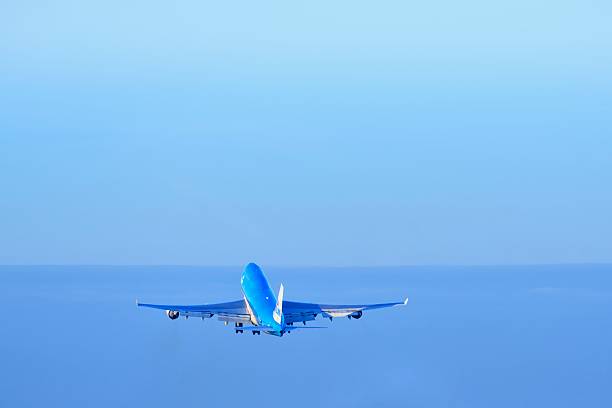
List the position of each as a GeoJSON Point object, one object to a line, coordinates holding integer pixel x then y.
{"type": "Point", "coordinates": [405, 301]}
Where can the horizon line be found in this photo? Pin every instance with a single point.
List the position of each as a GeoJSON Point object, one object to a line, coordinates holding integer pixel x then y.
{"type": "Point", "coordinates": [424, 265]}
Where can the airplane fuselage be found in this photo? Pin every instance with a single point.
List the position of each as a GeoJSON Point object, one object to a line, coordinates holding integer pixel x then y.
{"type": "Point", "coordinates": [261, 301]}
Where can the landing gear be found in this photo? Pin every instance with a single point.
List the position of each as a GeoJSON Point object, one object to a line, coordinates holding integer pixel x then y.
{"type": "Point", "coordinates": [256, 332]}
{"type": "Point", "coordinates": [237, 329]}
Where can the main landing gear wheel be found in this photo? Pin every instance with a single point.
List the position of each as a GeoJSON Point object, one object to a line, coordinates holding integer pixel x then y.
{"type": "Point", "coordinates": [237, 329]}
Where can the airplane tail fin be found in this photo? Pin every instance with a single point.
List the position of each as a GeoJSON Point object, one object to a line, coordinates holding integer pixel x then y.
{"type": "Point", "coordinates": [278, 311]}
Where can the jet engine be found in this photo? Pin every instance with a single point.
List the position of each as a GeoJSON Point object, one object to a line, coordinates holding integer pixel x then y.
{"type": "Point", "coordinates": [172, 314]}
{"type": "Point", "coordinates": [356, 315]}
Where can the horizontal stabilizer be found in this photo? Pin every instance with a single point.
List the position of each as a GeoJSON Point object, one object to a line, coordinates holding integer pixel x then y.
{"type": "Point", "coordinates": [292, 328]}
{"type": "Point", "coordinates": [268, 328]}
{"type": "Point", "coordinates": [255, 328]}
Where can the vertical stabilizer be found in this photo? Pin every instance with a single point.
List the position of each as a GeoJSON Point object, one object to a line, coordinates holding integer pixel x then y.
{"type": "Point", "coordinates": [278, 311]}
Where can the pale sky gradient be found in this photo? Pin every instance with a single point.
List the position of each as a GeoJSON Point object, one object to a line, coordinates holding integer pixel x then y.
{"type": "Point", "coordinates": [344, 133]}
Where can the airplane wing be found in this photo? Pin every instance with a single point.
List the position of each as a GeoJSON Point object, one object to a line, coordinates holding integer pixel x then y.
{"type": "Point", "coordinates": [229, 311]}
{"type": "Point", "coordinates": [302, 312]}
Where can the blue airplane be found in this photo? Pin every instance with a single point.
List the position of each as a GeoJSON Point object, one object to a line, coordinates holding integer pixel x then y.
{"type": "Point", "coordinates": [264, 311]}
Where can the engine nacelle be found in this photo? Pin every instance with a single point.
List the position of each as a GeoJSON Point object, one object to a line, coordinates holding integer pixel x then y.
{"type": "Point", "coordinates": [356, 315]}
{"type": "Point", "coordinates": [172, 314]}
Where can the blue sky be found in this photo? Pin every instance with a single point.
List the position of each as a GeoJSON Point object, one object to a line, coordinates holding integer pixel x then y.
{"type": "Point", "coordinates": [305, 134]}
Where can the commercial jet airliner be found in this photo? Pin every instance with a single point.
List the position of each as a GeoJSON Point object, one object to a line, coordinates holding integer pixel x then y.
{"type": "Point", "coordinates": [264, 311]}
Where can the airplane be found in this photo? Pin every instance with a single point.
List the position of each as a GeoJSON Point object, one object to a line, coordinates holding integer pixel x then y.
{"type": "Point", "coordinates": [266, 312]}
